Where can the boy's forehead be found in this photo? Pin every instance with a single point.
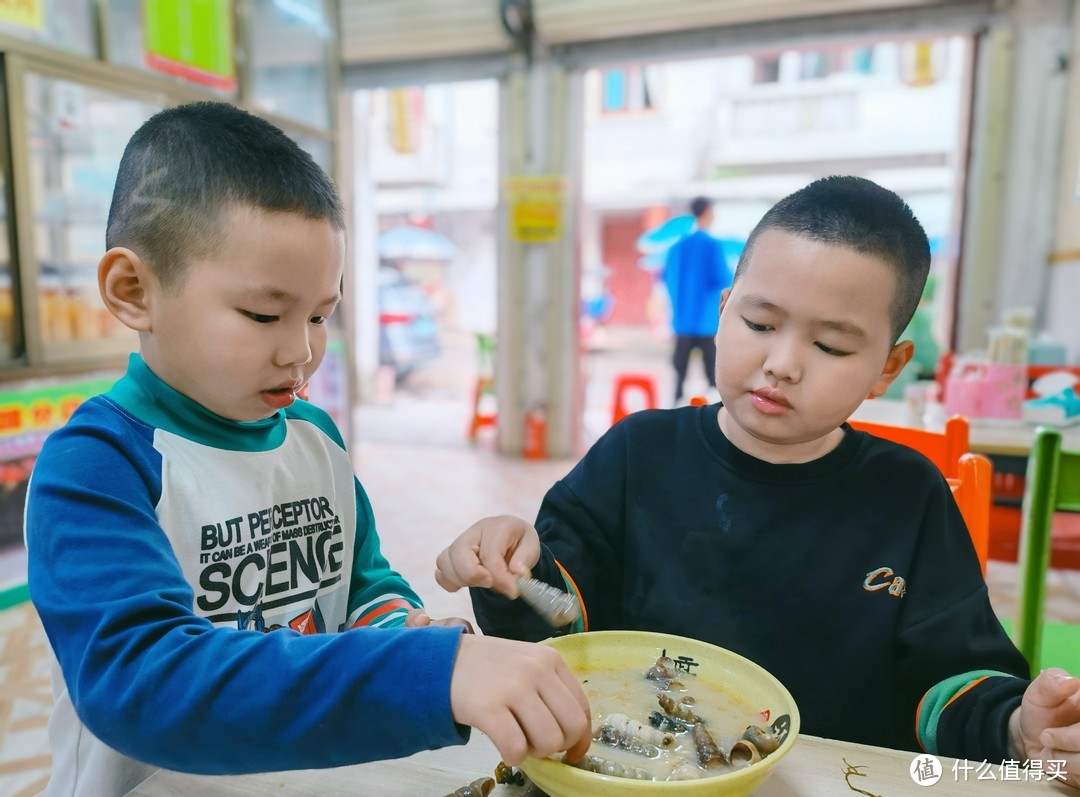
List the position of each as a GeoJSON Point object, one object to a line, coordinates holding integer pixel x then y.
{"type": "Point", "coordinates": [790, 272]}
{"type": "Point", "coordinates": [782, 252]}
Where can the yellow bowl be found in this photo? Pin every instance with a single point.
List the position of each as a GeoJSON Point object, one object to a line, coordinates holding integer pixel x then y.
{"type": "Point", "coordinates": [604, 651]}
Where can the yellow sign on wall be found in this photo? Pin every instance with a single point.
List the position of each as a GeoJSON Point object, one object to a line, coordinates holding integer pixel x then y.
{"type": "Point", "coordinates": [535, 203]}
{"type": "Point", "coordinates": [24, 13]}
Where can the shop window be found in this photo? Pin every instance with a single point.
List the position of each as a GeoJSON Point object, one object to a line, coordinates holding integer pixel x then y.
{"type": "Point", "coordinates": [626, 89]}
{"type": "Point", "coordinates": [76, 135]}
{"type": "Point", "coordinates": [193, 40]}
{"type": "Point", "coordinates": [10, 339]}
{"type": "Point", "coordinates": [290, 62]}
{"type": "Point", "coordinates": [65, 24]}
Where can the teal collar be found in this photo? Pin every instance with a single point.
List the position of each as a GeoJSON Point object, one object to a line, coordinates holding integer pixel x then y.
{"type": "Point", "coordinates": [143, 394]}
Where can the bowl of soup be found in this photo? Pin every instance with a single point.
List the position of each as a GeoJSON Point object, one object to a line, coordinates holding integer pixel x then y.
{"type": "Point", "coordinates": [671, 716]}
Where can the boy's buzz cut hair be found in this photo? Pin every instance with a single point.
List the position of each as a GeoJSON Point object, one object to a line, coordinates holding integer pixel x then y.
{"type": "Point", "coordinates": [186, 166]}
{"type": "Point", "coordinates": [863, 216]}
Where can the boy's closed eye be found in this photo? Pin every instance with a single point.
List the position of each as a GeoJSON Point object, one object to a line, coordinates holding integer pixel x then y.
{"type": "Point", "coordinates": [259, 318]}
{"type": "Point", "coordinates": [755, 326]}
{"type": "Point", "coordinates": [831, 351]}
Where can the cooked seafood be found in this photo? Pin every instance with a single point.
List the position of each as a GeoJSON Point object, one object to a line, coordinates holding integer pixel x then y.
{"type": "Point", "coordinates": [663, 670]}
{"type": "Point", "coordinates": [624, 731]}
{"type": "Point", "coordinates": [762, 738]}
{"type": "Point", "coordinates": [709, 753]}
{"type": "Point", "coordinates": [557, 607]}
{"type": "Point", "coordinates": [743, 753]}
{"type": "Point", "coordinates": [677, 710]}
{"type": "Point", "coordinates": [668, 724]}
{"type": "Point", "coordinates": [686, 770]}
{"type": "Point", "coordinates": [605, 766]}
{"type": "Point", "coordinates": [691, 737]}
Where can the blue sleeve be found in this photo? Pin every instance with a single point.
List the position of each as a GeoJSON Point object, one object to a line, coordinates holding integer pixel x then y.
{"type": "Point", "coordinates": [159, 684]}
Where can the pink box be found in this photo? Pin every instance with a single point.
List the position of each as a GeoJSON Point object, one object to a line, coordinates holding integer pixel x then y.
{"type": "Point", "coordinates": [986, 390]}
{"type": "Point", "coordinates": [1004, 390]}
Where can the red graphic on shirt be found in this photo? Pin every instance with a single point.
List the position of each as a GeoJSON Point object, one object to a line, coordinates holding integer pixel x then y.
{"type": "Point", "coordinates": [304, 623]}
{"type": "Point", "coordinates": [765, 715]}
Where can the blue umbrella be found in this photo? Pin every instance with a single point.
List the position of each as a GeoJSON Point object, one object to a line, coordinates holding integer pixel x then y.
{"type": "Point", "coordinates": [663, 236]}
{"type": "Point", "coordinates": [415, 243]}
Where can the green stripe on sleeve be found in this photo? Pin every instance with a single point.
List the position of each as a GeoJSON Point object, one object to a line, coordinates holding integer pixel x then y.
{"type": "Point", "coordinates": [937, 699]}
{"type": "Point", "coordinates": [578, 626]}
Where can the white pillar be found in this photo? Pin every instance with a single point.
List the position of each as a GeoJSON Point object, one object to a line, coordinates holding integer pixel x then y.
{"type": "Point", "coordinates": [1016, 156]}
{"type": "Point", "coordinates": [537, 363]}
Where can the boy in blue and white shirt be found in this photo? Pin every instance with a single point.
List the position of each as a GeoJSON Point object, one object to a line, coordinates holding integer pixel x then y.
{"type": "Point", "coordinates": [192, 532]}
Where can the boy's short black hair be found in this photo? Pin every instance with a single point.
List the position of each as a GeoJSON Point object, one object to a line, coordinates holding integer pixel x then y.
{"type": "Point", "coordinates": [861, 215]}
{"type": "Point", "coordinates": [699, 205]}
{"type": "Point", "coordinates": [187, 165]}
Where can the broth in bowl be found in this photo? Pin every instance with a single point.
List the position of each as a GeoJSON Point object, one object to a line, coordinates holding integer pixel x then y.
{"type": "Point", "coordinates": [664, 723]}
{"type": "Point", "coordinates": [660, 735]}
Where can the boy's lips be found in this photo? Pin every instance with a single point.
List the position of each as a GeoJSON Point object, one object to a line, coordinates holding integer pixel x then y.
{"type": "Point", "coordinates": [769, 401]}
{"type": "Point", "coordinates": [281, 397]}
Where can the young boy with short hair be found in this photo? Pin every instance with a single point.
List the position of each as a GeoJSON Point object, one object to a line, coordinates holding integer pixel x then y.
{"type": "Point", "coordinates": [194, 531]}
{"type": "Point", "coordinates": [766, 525]}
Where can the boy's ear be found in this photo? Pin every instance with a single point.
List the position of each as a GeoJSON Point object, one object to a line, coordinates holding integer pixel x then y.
{"type": "Point", "coordinates": [899, 356]}
{"type": "Point", "coordinates": [723, 298]}
{"type": "Point", "coordinates": [125, 284]}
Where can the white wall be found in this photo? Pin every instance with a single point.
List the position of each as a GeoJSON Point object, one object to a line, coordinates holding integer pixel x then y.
{"type": "Point", "coordinates": [1063, 284]}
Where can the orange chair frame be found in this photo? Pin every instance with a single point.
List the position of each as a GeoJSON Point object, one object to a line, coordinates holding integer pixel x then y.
{"type": "Point", "coordinates": [943, 449]}
{"type": "Point", "coordinates": [969, 475]}
{"type": "Point", "coordinates": [971, 489]}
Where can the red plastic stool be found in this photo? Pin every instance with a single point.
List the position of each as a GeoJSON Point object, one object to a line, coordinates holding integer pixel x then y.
{"type": "Point", "coordinates": [646, 383]}
{"type": "Point", "coordinates": [485, 385]}
{"type": "Point", "coordinates": [698, 401]}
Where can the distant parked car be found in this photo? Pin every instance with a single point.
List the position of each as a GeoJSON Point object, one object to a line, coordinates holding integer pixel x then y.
{"type": "Point", "coordinates": [408, 332]}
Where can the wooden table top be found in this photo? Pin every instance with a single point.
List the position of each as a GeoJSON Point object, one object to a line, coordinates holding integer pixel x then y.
{"type": "Point", "coordinates": [814, 767]}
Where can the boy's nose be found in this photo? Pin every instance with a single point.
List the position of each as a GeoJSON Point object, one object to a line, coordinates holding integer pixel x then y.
{"type": "Point", "coordinates": [782, 362]}
{"type": "Point", "coordinates": [294, 349]}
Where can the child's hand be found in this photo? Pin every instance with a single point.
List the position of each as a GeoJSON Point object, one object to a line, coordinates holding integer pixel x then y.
{"type": "Point", "coordinates": [418, 618]}
{"type": "Point", "coordinates": [489, 554]}
{"type": "Point", "coordinates": [1047, 724]}
{"type": "Point", "coordinates": [522, 695]}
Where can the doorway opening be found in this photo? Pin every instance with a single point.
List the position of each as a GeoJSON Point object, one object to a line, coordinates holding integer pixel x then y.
{"type": "Point", "coordinates": [744, 131]}
{"type": "Point", "coordinates": [427, 168]}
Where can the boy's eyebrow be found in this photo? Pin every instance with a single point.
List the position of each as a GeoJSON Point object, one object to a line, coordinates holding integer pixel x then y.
{"type": "Point", "coordinates": [753, 300]}
{"type": "Point", "coordinates": [278, 295]}
{"type": "Point", "coordinates": [844, 328]}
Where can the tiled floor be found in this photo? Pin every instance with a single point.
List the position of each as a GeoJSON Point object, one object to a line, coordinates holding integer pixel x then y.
{"type": "Point", "coordinates": [422, 497]}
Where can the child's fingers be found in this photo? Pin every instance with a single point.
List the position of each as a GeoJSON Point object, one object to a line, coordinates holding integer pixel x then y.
{"type": "Point", "coordinates": [571, 709]}
{"type": "Point", "coordinates": [542, 730]}
{"type": "Point", "coordinates": [459, 566]}
{"type": "Point", "coordinates": [505, 732]}
{"type": "Point", "coordinates": [1062, 740]}
{"type": "Point", "coordinates": [1052, 688]}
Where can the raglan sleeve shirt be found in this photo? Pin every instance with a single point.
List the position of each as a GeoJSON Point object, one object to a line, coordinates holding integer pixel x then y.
{"type": "Point", "coordinates": [155, 681]}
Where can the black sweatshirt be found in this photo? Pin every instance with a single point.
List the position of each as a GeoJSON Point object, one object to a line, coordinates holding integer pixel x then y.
{"type": "Point", "coordinates": [851, 578]}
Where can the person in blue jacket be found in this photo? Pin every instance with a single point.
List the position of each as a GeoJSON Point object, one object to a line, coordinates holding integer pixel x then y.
{"type": "Point", "coordinates": [695, 272]}
{"type": "Point", "coordinates": [197, 538]}
{"type": "Point", "coordinates": [765, 524]}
